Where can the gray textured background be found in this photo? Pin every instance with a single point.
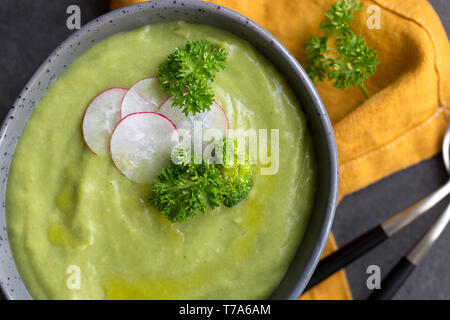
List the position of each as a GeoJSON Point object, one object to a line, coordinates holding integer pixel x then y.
{"type": "Point", "coordinates": [30, 30]}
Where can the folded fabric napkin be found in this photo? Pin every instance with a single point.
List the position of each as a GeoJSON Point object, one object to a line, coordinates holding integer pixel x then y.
{"type": "Point", "coordinates": [405, 118]}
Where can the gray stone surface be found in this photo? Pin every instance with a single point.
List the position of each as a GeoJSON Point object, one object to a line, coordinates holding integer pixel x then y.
{"type": "Point", "coordinates": [30, 30]}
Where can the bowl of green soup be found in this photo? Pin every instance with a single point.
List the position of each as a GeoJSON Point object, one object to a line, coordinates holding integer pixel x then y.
{"type": "Point", "coordinates": [96, 207]}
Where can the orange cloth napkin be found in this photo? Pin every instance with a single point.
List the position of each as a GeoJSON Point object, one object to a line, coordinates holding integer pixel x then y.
{"type": "Point", "coordinates": [404, 120]}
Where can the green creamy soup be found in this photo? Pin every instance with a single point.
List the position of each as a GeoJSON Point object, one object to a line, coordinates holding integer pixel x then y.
{"type": "Point", "coordinates": [72, 213]}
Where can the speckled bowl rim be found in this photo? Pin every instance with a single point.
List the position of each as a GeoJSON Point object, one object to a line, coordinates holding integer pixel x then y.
{"type": "Point", "coordinates": [193, 11]}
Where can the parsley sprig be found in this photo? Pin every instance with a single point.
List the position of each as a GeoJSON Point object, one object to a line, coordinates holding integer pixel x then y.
{"type": "Point", "coordinates": [182, 190]}
{"type": "Point", "coordinates": [188, 73]}
{"type": "Point", "coordinates": [193, 185]}
{"type": "Point", "coordinates": [351, 61]}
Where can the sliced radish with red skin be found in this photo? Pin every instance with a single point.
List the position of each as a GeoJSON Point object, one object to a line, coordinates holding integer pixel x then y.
{"type": "Point", "coordinates": [100, 118]}
{"type": "Point", "coordinates": [141, 145]}
{"type": "Point", "coordinates": [144, 96]}
{"type": "Point", "coordinates": [215, 118]}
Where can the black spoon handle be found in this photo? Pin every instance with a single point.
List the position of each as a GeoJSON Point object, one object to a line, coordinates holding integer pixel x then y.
{"type": "Point", "coordinates": [408, 263]}
{"type": "Point", "coordinates": [394, 280]}
{"type": "Point", "coordinates": [347, 254]}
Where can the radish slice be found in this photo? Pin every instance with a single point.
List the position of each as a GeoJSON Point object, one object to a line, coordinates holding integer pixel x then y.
{"type": "Point", "coordinates": [100, 118]}
{"type": "Point", "coordinates": [144, 96]}
{"type": "Point", "coordinates": [215, 118]}
{"type": "Point", "coordinates": [141, 145]}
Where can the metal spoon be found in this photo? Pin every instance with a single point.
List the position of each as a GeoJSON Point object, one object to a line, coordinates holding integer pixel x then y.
{"type": "Point", "coordinates": [398, 275]}
{"type": "Point", "coordinates": [364, 243]}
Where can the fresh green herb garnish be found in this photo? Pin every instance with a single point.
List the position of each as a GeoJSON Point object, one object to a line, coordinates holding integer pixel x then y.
{"type": "Point", "coordinates": [188, 73]}
{"type": "Point", "coordinates": [236, 174]}
{"type": "Point", "coordinates": [351, 61]}
{"type": "Point", "coordinates": [185, 189]}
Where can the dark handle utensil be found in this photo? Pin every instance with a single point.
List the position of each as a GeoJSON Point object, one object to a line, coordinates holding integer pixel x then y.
{"type": "Point", "coordinates": [347, 254]}
{"type": "Point", "coordinates": [364, 243]}
{"type": "Point", "coordinates": [408, 263]}
{"type": "Point", "coordinates": [394, 280]}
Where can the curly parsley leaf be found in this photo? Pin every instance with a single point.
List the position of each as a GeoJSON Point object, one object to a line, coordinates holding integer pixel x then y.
{"type": "Point", "coordinates": [185, 189]}
{"type": "Point", "coordinates": [351, 61]}
{"type": "Point", "coordinates": [188, 73]}
{"type": "Point", "coordinates": [191, 185]}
